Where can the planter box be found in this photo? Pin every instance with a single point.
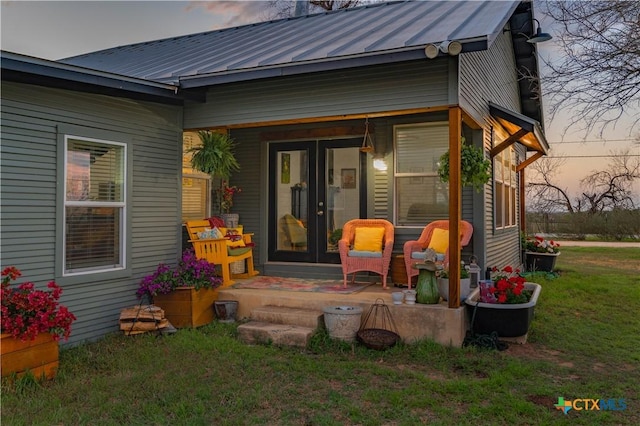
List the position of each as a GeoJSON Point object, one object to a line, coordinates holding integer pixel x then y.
{"type": "Point", "coordinates": [188, 307]}
{"type": "Point", "coordinates": [443, 288]}
{"type": "Point", "coordinates": [544, 262]}
{"type": "Point", "coordinates": [508, 320]}
{"type": "Point", "coordinates": [40, 356]}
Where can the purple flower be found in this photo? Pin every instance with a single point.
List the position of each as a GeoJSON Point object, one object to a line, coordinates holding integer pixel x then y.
{"type": "Point", "coordinates": [190, 272]}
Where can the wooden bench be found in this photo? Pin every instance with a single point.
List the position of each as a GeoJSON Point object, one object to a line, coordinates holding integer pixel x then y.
{"type": "Point", "coordinates": [216, 251]}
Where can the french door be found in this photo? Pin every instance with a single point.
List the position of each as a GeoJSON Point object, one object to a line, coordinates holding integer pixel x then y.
{"type": "Point", "coordinates": [314, 188]}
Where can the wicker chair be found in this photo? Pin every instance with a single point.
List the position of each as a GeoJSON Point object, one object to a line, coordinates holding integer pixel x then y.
{"type": "Point", "coordinates": [356, 262]}
{"type": "Point", "coordinates": [466, 231]}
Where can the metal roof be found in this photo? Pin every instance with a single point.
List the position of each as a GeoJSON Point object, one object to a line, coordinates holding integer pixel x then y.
{"type": "Point", "coordinates": [30, 70]}
{"type": "Point", "coordinates": [366, 35]}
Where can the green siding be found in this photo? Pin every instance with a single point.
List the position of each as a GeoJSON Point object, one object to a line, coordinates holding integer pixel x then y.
{"type": "Point", "coordinates": [31, 119]}
{"type": "Point", "coordinates": [364, 90]}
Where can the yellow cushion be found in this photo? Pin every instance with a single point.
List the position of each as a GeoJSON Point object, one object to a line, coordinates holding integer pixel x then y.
{"type": "Point", "coordinates": [368, 239]}
{"type": "Point", "coordinates": [234, 237]}
{"type": "Point", "coordinates": [439, 240]}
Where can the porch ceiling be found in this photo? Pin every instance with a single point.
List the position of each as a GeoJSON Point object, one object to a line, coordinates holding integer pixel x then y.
{"type": "Point", "coordinates": [525, 130]}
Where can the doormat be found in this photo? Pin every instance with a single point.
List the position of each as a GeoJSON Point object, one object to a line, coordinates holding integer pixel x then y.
{"type": "Point", "coordinates": [302, 284]}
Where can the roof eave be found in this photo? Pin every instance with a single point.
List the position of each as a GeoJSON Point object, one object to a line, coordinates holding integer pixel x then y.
{"type": "Point", "coordinates": [330, 64]}
{"type": "Point", "coordinates": [30, 70]}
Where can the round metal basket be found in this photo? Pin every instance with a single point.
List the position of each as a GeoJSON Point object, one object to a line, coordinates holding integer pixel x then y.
{"type": "Point", "coordinates": [377, 338]}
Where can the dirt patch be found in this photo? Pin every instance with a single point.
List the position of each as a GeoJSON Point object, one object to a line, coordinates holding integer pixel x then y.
{"type": "Point", "coordinates": [537, 352]}
{"type": "Point", "coordinates": [543, 401]}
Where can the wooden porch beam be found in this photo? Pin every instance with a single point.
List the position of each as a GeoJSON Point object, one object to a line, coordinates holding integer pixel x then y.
{"type": "Point", "coordinates": [359, 116]}
{"type": "Point", "coordinates": [507, 142]}
{"type": "Point", "coordinates": [455, 202]}
{"type": "Point", "coordinates": [528, 161]}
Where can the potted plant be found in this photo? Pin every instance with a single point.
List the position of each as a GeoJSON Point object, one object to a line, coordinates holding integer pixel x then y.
{"type": "Point", "coordinates": [540, 254]}
{"type": "Point", "coordinates": [216, 157]}
{"type": "Point", "coordinates": [505, 304]}
{"type": "Point", "coordinates": [33, 321]}
{"type": "Point", "coordinates": [186, 293]}
{"type": "Point", "coordinates": [474, 168]}
{"type": "Point", "coordinates": [465, 283]}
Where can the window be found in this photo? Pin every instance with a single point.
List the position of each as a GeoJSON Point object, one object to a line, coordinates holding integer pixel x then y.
{"type": "Point", "coordinates": [94, 205]}
{"type": "Point", "coordinates": [504, 172]}
{"type": "Point", "coordinates": [420, 197]}
{"type": "Point", "coordinates": [195, 185]}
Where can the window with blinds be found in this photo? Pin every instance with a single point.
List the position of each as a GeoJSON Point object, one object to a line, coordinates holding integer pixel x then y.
{"type": "Point", "coordinates": [420, 197]}
{"type": "Point", "coordinates": [195, 185]}
{"type": "Point", "coordinates": [504, 172]}
{"type": "Point", "coordinates": [95, 203]}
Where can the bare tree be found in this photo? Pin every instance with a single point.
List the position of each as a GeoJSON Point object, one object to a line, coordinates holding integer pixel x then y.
{"type": "Point", "coordinates": [286, 9]}
{"type": "Point", "coordinates": [600, 191]}
{"type": "Point", "coordinates": [598, 74]}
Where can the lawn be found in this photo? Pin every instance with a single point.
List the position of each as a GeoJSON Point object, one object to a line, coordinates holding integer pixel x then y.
{"type": "Point", "coordinates": [584, 343]}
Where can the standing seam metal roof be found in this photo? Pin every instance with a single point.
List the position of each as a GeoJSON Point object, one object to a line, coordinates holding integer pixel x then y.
{"type": "Point", "coordinates": [368, 31]}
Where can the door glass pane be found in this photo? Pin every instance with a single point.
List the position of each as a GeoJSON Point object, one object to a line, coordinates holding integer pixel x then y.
{"type": "Point", "coordinates": [343, 191]}
{"type": "Point", "coordinates": [292, 200]}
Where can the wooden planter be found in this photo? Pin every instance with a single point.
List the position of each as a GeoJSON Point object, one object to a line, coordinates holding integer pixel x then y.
{"type": "Point", "coordinates": [40, 356]}
{"type": "Point", "coordinates": [188, 307]}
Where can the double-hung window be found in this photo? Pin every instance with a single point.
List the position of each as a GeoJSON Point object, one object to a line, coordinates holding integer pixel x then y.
{"type": "Point", "coordinates": [94, 205]}
{"type": "Point", "coordinates": [420, 197]}
{"type": "Point", "coordinates": [504, 172]}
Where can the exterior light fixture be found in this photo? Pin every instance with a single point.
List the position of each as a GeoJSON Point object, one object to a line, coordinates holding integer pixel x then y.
{"type": "Point", "coordinates": [453, 48]}
{"type": "Point", "coordinates": [450, 47]}
{"type": "Point", "coordinates": [539, 37]}
{"type": "Point", "coordinates": [431, 51]}
{"type": "Point", "coordinates": [379, 163]}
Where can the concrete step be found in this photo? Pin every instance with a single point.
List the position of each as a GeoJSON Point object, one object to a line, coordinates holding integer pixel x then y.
{"type": "Point", "coordinates": [292, 316]}
{"type": "Point", "coordinates": [258, 332]}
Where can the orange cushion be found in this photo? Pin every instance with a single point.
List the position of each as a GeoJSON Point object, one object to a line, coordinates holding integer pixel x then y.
{"type": "Point", "coordinates": [368, 239]}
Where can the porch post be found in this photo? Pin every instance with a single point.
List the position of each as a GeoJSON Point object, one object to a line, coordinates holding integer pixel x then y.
{"type": "Point", "coordinates": [455, 201]}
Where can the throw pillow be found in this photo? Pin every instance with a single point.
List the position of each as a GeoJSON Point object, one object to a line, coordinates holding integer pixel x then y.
{"type": "Point", "coordinates": [439, 240]}
{"type": "Point", "coordinates": [234, 237]}
{"type": "Point", "coordinates": [368, 239]}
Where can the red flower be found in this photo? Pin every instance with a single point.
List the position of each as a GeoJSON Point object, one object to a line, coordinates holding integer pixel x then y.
{"type": "Point", "coordinates": [509, 286]}
{"type": "Point", "coordinates": [27, 312]}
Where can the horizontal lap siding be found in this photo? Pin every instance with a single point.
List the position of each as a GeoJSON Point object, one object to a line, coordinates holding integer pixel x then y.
{"type": "Point", "coordinates": [30, 116]}
{"type": "Point", "coordinates": [378, 88]}
{"type": "Point", "coordinates": [485, 76]}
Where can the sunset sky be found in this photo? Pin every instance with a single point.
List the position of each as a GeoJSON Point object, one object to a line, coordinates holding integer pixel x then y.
{"type": "Point", "coordinates": [55, 30]}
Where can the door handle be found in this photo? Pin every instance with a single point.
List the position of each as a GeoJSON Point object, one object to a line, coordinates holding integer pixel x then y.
{"type": "Point", "coordinates": [320, 212]}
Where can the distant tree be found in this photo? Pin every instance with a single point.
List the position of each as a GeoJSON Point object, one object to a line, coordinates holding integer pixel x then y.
{"type": "Point", "coordinates": [286, 9]}
{"type": "Point", "coordinates": [597, 75]}
{"type": "Point", "coordinates": [603, 190]}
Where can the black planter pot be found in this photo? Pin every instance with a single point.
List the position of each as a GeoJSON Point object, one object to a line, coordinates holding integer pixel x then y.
{"type": "Point", "coordinates": [544, 262]}
{"type": "Point", "coordinates": [508, 320]}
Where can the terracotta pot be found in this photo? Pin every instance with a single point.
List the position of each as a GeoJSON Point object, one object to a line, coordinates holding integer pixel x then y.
{"type": "Point", "coordinates": [40, 356]}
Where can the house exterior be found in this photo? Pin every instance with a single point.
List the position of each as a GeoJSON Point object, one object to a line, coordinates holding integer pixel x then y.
{"type": "Point", "coordinates": [301, 97]}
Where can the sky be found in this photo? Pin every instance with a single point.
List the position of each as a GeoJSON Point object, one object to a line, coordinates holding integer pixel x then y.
{"type": "Point", "coordinates": [55, 30]}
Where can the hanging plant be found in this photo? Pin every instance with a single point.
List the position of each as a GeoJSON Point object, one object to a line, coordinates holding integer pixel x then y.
{"type": "Point", "coordinates": [474, 168]}
{"type": "Point", "coordinates": [216, 157]}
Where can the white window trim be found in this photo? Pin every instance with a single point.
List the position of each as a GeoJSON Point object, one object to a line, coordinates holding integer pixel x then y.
{"type": "Point", "coordinates": [506, 204]}
{"type": "Point", "coordinates": [122, 205]}
{"type": "Point", "coordinates": [397, 175]}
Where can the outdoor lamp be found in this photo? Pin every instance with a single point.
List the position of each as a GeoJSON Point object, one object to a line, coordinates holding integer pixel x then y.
{"type": "Point", "coordinates": [379, 163]}
{"type": "Point", "coordinates": [539, 37]}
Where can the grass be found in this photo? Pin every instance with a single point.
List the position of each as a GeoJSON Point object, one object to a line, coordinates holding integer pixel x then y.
{"type": "Point", "coordinates": [583, 344]}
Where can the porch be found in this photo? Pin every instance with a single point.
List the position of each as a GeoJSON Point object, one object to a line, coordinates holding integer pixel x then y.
{"type": "Point", "coordinates": [438, 322]}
